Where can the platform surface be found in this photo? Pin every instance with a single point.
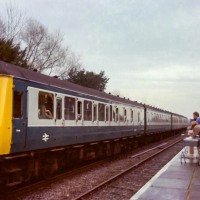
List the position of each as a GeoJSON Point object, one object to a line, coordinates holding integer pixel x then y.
{"type": "Point", "coordinates": [175, 181]}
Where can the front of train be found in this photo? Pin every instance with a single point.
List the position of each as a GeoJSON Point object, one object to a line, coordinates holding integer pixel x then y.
{"type": "Point", "coordinates": [6, 92]}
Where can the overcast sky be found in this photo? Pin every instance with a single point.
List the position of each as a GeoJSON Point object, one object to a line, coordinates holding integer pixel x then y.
{"type": "Point", "coordinates": [150, 49]}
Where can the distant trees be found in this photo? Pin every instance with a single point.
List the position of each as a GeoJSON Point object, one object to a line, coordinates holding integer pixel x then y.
{"type": "Point", "coordinates": [12, 53]}
{"type": "Point", "coordinates": [43, 50]}
{"type": "Point", "coordinates": [88, 79]}
{"type": "Point", "coordinates": [28, 43]}
{"type": "Point", "coordinates": [11, 24]}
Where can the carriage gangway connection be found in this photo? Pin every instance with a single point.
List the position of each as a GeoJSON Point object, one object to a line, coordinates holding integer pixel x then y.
{"type": "Point", "coordinates": [177, 180]}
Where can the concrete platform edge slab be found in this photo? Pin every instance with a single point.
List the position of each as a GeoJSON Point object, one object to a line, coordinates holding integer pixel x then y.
{"type": "Point", "coordinates": [150, 182]}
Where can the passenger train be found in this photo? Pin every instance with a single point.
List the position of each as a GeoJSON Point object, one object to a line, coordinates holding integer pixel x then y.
{"type": "Point", "coordinates": [47, 124]}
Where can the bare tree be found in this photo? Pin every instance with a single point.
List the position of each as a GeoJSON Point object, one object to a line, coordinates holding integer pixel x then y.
{"type": "Point", "coordinates": [2, 29]}
{"type": "Point", "coordinates": [72, 62]}
{"type": "Point", "coordinates": [11, 24]}
{"type": "Point", "coordinates": [44, 50]}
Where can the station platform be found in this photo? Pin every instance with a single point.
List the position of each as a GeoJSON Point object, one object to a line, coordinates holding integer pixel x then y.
{"type": "Point", "coordinates": [175, 181]}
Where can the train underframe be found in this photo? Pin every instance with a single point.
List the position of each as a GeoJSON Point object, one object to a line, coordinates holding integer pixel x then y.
{"type": "Point", "coordinates": [25, 167]}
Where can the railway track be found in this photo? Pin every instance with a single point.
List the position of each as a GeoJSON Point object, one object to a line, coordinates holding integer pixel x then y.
{"type": "Point", "coordinates": [24, 190]}
{"type": "Point", "coordinates": [149, 154]}
{"type": "Point", "coordinates": [138, 158]}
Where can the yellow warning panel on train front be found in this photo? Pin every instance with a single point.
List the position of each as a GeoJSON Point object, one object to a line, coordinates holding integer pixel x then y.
{"type": "Point", "coordinates": [6, 92]}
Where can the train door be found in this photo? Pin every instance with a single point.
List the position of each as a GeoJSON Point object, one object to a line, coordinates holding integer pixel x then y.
{"type": "Point", "coordinates": [19, 116]}
{"type": "Point", "coordinates": [107, 115]}
{"type": "Point", "coordinates": [59, 120]}
{"type": "Point", "coordinates": [79, 112]}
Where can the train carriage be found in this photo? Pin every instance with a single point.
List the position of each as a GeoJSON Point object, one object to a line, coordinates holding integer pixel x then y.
{"type": "Point", "coordinates": [47, 124]}
{"type": "Point", "coordinates": [79, 115]}
{"type": "Point", "coordinates": [157, 120]}
{"type": "Point", "coordinates": [179, 121]}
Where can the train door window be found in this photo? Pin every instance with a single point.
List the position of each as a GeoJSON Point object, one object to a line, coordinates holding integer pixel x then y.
{"type": "Point", "coordinates": [45, 105]}
{"type": "Point", "coordinates": [79, 110]}
{"type": "Point", "coordinates": [114, 114]}
{"type": "Point", "coordinates": [94, 112]}
{"type": "Point", "coordinates": [87, 110]}
{"type": "Point", "coordinates": [58, 108]}
{"type": "Point", "coordinates": [111, 112]}
{"type": "Point", "coordinates": [107, 113]}
{"type": "Point", "coordinates": [117, 114]}
{"type": "Point", "coordinates": [17, 104]}
{"type": "Point", "coordinates": [69, 108]}
{"type": "Point", "coordinates": [138, 116]}
{"type": "Point", "coordinates": [101, 112]}
{"type": "Point", "coordinates": [131, 115]}
{"type": "Point", "coordinates": [125, 114]}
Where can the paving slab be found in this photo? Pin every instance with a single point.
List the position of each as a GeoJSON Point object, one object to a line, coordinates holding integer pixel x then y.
{"type": "Point", "coordinates": [175, 181]}
{"type": "Point", "coordinates": [171, 183]}
{"type": "Point", "coordinates": [164, 194]}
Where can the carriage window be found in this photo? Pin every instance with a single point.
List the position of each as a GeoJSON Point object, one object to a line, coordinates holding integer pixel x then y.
{"type": "Point", "coordinates": [69, 108]}
{"type": "Point", "coordinates": [17, 104]}
{"type": "Point", "coordinates": [101, 112]}
{"type": "Point", "coordinates": [79, 110]}
{"type": "Point", "coordinates": [117, 114]}
{"type": "Point", "coordinates": [121, 115]}
{"type": "Point", "coordinates": [131, 115]}
{"type": "Point", "coordinates": [107, 113]}
{"type": "Point", "coordinates": [45, 105]}
{"type": "Point", "coordinates": [111, 113]}
{"type": "Point", "coordinates": [59, 108]}
{"type": "Point", "coordinates": [94, 112]}
{"type": "Point", "coordinates": [87, 110]}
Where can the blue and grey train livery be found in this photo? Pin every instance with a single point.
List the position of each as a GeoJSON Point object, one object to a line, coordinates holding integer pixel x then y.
{"type": "Point", "coordinates": [46, 120]}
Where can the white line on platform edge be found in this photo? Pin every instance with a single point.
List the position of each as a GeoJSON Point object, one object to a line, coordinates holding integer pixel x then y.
{"type": "Point", "coordinates": [150, 182]}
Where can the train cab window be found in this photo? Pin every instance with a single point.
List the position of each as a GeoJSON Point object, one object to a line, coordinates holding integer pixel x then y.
{"type": "Point", "coordinates": [94, 112]}
{"type": "Point", "coordinates": [131, 115]}
{"type": "Point", "coordinates": [45, 105]}
{"type": "Point", "coordinates": [101, 112]}
{"type": "Point", "coordinates": [69, 108]}
{"type": "Point", "coordinates": [111, 112]}
{"type": "Point", "coordinates": [87, 110]}
{"type": "Point", "coordinates": [79, 110]}
{"type": "Point", "coordinates": [17, 104]}
{"type": "Point", "coordinates": [107, 113]}
{"type": "Point", "coordinates": [58, 108]}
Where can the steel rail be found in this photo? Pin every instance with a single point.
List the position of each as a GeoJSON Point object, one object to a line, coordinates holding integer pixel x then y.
{"type": "Point", "coordinates": [89, 192]}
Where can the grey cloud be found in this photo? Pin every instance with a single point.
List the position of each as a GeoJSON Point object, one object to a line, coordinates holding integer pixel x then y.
{"type": "Point", "coordinates": [145, 47]}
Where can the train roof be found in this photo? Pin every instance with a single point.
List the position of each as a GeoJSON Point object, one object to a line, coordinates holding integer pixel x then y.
{"type": "Point", "coordinates": [29, 75]}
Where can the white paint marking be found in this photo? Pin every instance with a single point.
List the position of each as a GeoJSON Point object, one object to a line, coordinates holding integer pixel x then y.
{"type": "Point", "coordinates": [150, 182]}
{"type": "Point", "coordinates": [45, 137]}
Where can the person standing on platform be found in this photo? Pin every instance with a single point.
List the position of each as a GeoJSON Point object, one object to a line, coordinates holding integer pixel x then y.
{"type": "Point", "coordinates": [195, 125]}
